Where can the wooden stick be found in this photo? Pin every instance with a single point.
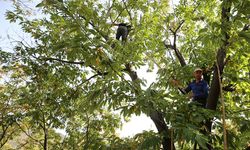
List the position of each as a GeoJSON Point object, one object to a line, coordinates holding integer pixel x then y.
{"type": "Point", "coordinates": [223, 109]}
{"type": "Point", "coordinates": [172, 139]}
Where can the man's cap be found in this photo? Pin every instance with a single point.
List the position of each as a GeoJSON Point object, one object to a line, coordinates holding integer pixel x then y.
{"type": "Point", "coordinates": [198, 69]}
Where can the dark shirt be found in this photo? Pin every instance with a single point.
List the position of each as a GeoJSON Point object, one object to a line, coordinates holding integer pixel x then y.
{"type": "Point", "coordinates": [200, 91]}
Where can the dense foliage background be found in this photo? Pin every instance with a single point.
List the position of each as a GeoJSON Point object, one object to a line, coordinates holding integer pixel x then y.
{"type": "Point", "coordinates": [68, 76]}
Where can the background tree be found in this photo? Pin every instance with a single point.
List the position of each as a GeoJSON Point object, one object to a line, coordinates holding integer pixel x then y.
{"type": "Point", "coordinates": [72, 78]}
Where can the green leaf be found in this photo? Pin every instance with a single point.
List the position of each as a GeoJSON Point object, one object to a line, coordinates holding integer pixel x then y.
{"type": "Point", "coordinates": [245, 35]}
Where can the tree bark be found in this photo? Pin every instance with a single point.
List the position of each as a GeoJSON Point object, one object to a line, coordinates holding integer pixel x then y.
{"type": "Point", "coordinates": [156, 116]}
{"type": "Point", "coordinates": [214, 92]}
{"type": "Point", "coordinates": [162, 129]}
{"type": "Point", "coordinates": [45, 131]}
{"type": "Point", "coordinates": [174, 47]}
{"type": "Point", "coordinates": [221, 55]}
{"type": "Point", "coordinates": [45, 144]}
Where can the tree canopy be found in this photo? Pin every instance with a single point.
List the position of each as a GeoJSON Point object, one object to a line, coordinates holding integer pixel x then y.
{"type": "Point", "coordinates": [72, 74]}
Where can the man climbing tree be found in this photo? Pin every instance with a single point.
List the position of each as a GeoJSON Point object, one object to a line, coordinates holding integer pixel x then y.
{"type": "Point", "coordinates": [199, 88]}
{"type": "Point", "coordinates": [122, 31]}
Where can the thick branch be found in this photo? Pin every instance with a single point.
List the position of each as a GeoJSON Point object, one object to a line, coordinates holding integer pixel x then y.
{"type": "Point", "coordinates": [215, 89]}
{"type": "Point", "coordinates": [180, 57]}
{"type": "Point", "coordinates": [221, 55]}
{"type": "Point", "coordinates": [132, 74]}
{"type": "Point", "coordinates": [177, 53]}
{"type": "Point", "coordinates": [74, 62]}
{"type": "Point", "coordinates": [155, 115]}
{"type": "Point", "coordinates": [162, 128]}
{"type": "Point", "coordinates": [174, 47]}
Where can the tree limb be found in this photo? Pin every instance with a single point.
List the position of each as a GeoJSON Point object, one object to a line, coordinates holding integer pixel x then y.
{"type": "Point", "coordinates": [246, 27]}
{"type": "Point", "coordinates": [221, 55]}
{"type": "Point", "coordinates": [98, 74]}
{"type": "Point", "coordinates": [155, 115]}
{"type": "Point", "coordinates": [177, 53]}
{"type": "Point", "coordinates": [169, 46]}
{"type": "Point", "coordinates": [29, 134]}
{"type": "Point", "coordinates": [182, 22]}
{"type": "Point", "coordinates": [174, 47]}
{"type": "Point", "coordinates": [214, 93]}
{"type": "Point", "coordinates": [3, 134]}
{"type": "Point", "coordinates": [126, 7]}
{"type": "Point", "coordinates": [60, 60]}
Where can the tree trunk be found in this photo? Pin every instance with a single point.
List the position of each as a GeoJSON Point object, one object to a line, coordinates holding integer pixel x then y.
{"type": "Point", "coordinates": [156, 116]}
{"type": "Point", "coordinates": [162, 129]}
{"type": "Point", "coordinates": [45, 143]}
{"type": "Point", "coordinates": [214, 92]}
{"type": "Point", "coordinates": [221, 55]}
{"type": "Point", "coordinates": [45, 131]}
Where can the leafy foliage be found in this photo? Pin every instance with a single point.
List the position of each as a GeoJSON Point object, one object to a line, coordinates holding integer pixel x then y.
{"type": "Point", "coordinates": [73, 74]}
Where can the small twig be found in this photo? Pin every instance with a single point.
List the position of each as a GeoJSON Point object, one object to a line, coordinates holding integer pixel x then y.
{"type": "Point", "coordinates": [22, 145]}
{"type": "Point", "coordinates": [179, 26]}
{"type": "Point", "coordinates": [171, 30]}
{"type": "Point", "coordinates": [99, 73]}
{"type": "Point", "coordinates": [63, 61]}
{"type": "Point", "coordinates": [169, 46]}
{"type": "Point", "coordinates": [109, 9]}
{"type": "Point", "coordinates": [28, 134]}
{"type": "Point", "coordinates": [126, 7]}
{"type": "Point", "coordinates": [119, 14]}
{"type": "Point", "coordinates": [239, 111]}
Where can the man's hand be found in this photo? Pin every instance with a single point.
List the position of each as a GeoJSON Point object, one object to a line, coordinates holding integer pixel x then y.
{"type": "Point", "coordinates": [190, 95]}
{"type": "Point", "coordinates": [175, 82]}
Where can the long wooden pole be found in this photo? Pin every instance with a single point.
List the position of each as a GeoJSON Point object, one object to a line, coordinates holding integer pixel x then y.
{"type": "Point", "coordinates": [223, 109]}
{"type": "Point", "coordinates": [172, 138]}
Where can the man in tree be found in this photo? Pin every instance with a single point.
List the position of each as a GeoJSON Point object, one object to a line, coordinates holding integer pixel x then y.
{"type": "Point", "coordinates": [122, 31]}
{"type": "Point", "coordinates": [199, 88]}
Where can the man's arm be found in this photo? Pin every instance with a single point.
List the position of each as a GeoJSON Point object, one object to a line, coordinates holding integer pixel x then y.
{"type": "Point", "coordinates": [181, 89]}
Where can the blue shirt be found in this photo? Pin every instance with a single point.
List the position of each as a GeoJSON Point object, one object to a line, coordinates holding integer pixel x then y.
{"type": "Point", "coordinates": [200, 89]}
